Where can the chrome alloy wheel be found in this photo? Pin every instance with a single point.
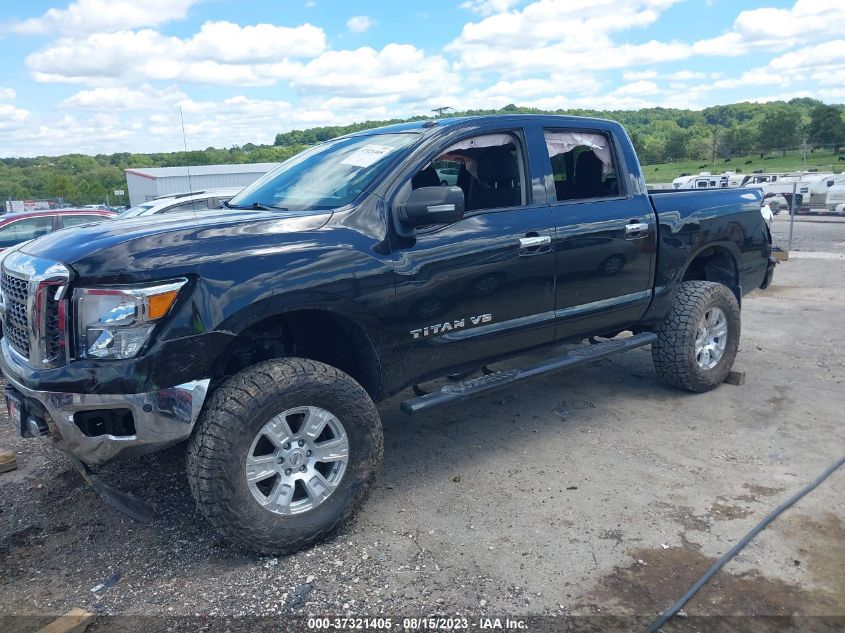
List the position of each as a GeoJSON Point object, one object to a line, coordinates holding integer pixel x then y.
{"type": "Point", "coordinates": [711, 338]}
{"type": "Point", "coordinates": [297, 460]}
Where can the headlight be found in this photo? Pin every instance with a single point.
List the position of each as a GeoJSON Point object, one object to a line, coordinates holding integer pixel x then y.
{"type": "Point", "coordinates": [116, 322]}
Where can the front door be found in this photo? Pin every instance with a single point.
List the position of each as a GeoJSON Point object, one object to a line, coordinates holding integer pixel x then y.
{"type": "Point", "coordinates": [481, 287]}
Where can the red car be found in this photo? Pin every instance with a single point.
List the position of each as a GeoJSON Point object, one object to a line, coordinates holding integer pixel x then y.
{"type": "Point", "coordinates": [27, 225]}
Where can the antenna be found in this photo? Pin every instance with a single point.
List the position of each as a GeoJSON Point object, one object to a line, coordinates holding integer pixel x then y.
{"type": "Point", "coordinates": [185, 145]}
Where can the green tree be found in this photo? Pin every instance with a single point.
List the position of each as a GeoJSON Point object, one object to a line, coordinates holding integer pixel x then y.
{"type": "Point", "coordinates": [779, 128]}
{"type": "Point", "coordinates": [676, 142]}
{"type": "Point", "coordinates": [827, 127]}
{"type": "Point", "coordinates": [736, 140]}
{"type": "Point", "coordinates": [716, 117]}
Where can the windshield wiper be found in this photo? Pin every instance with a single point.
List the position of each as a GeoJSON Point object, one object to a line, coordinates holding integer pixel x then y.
{"type": "Point", "coordinates": [254, 205]}
{"type": "Point", "coordinates": [259, 205]}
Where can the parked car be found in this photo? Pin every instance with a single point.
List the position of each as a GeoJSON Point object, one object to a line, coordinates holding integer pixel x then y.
{"type": "Point", "coordinates": [263, 333]}
{"type": "Point", "coordinates": [448, 176]}
{"type": "Point", "coordinates": [189, 201]}
{"type": "Point", "coordinates": [27, 225]}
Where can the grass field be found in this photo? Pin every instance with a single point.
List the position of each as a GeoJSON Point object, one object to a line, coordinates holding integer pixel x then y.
{"type": "Point", "coordinates": [666, 172]}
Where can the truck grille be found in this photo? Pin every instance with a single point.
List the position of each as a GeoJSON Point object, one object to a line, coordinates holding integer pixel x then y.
{"type": "Point", "coordinates": [34, 319]}
{"type": "Point", "coordinates": [54, 330]}
{"type": "Point", "coordinates": [15, 322]}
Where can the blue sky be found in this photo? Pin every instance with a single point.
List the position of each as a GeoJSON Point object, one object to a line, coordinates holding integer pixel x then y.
{"type": "Point", "coordinates": [110, 75]}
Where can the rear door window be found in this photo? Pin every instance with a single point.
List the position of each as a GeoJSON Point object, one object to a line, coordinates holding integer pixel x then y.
{"type": "Point", "coordinates": [76, 220]}
{"type": "Point", "coordinates": [583, 165]}
{"type": "Point", "coordinates": [25, 229]}
{"type": "Point", "coordinates": [190, 205]}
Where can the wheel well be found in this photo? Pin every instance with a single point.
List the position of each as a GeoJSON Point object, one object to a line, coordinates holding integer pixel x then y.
{"type": "Point", "coordinates": [315, 334]}
{"type": "Point", "coordinates": [713, 264]}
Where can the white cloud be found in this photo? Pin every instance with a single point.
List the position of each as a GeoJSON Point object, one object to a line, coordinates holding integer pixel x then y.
{"type": "Point", "coordinates": [637, 88]}
{"type": "Point", "coordinates": [233, 121]}
{"type": "Point", "coordinates": [823, 64]}
{"type": "Point", "coordinates": [488, 7]}
{"type": "Point", "coordinates": [820, 61]}
{"type": "Point", "coordinates": [686, 75]}
{"type": "Point", "coordinates": [90, 16]}
{"type": "Point", "coordinates": [397, 68]}
{"type": "Point", "coordinates": [230, 43]}
{"type": "Point", "coordinates": [769, 28]}
{"type": "Point", "coordinates": [637, 75]}
{"type": "Point", "coordinates": [11, 117]}
{"type": "Point", "coordinates": [359, 23]}
{"type": "Point", "coordinates": [117, 99]}
{"type": "Point", "coordinates": [547, 34]}
{"type": "Point", "coordinates": [544, 53]}
{"type": "Point", "coordinates": [220, 53]}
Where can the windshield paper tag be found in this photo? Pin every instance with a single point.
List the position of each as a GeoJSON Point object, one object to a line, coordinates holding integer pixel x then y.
{"type": "Point", "coordinates": [367, 155]}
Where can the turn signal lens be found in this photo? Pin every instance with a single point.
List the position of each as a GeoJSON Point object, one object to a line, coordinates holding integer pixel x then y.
{"type": "Point", "coordinates": [159, 304]}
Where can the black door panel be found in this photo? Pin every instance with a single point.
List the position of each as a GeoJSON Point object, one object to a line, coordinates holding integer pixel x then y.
{"type": "Point", "coordinates": [470, 291]}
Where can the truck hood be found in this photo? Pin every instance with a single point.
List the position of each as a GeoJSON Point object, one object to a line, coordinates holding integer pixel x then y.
{"type": "Point", "coordinates": [170, 241]}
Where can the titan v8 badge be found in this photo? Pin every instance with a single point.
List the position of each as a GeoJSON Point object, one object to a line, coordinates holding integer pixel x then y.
{"type": "Point", "coordinates": [448, 326]}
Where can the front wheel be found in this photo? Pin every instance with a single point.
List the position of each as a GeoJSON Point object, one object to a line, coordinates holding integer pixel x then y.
{"type": "Point", "coordinates": [698, 340]}
{"type": "Point", "coordinates": [283, 454]}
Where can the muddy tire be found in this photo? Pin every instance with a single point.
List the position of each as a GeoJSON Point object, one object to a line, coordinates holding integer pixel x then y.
{"type": "Point", "coordinates": [283, 454]}
{"type": "Point", "coordinates": [698, 340]}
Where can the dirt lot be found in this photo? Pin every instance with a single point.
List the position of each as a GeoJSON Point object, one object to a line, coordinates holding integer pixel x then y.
{"type": "Point", "coordinates": [594, 493]}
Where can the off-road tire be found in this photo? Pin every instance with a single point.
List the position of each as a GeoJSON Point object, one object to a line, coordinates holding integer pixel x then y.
{"type": "Point", "coordinates": [674, 352]}
{"type": "Point", "coordinates": [232, 417]}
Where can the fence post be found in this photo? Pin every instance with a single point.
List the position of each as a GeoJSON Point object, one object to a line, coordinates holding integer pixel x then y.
{"type": "Point", "coordinates": [791, 216]}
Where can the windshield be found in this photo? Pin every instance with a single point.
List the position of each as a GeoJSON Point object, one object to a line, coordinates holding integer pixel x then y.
{"type": "Point", "coordinates": [324, 177]}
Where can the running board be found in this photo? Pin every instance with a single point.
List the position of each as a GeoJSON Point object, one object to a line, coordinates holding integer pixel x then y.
{"type": "Point", "coordinates": [455, 392]}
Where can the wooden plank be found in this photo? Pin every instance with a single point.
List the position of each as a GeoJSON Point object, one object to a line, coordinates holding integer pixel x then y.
{"type": "Point", "coordinates": [736, 378]}
{"type": "Point", "coordinates": [74, 621]}
{"type": "Point", "coordinates": [8, 461]}
{"type": "Point", "coordinates": [780, 254]}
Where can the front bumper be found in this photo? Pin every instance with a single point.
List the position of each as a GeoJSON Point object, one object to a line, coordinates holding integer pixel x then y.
{"type": "Point", "coordinates": [161, 418]}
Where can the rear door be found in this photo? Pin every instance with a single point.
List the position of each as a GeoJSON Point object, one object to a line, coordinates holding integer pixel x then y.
{"type": "Point", "coordinates": [605, 235]}
{"type": "Point", "coordinates": [483, 286]}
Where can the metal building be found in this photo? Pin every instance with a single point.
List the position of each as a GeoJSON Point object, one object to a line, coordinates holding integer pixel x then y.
{"type": "Point", "coordinates": [146, 183]}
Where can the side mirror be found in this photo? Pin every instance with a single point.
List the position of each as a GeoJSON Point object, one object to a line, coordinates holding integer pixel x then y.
{"type": "Point", "coordinates": [433, 205]}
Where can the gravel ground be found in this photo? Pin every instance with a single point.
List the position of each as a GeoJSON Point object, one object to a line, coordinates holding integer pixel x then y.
{"type": "Point", "coordinates": [595, 493]}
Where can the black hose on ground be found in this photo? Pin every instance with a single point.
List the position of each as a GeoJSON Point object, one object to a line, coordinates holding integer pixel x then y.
{"type": "Point", "coordinates": [669, 613]}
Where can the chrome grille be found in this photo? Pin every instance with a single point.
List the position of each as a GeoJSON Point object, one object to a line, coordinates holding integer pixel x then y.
{"type": "Point", "coordinates": [15, 321]}
{"type": "Point", "coordinates": [34, 308]}
{"type": "Point", "coordinates": [53, 331]}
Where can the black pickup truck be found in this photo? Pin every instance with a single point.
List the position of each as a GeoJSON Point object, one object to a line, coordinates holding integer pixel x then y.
{"type": "Point", "coordinates": [263, 332]}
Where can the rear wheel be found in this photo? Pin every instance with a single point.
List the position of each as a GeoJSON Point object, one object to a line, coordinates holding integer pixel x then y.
{"type": "Point", "coordinates": [283, 454]}
{"type": "Point", "coordinates": [698, 340]}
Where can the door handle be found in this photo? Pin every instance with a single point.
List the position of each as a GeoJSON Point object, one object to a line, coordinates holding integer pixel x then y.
{"type": "Point", "coordinates": [534, 241]}
{"type": "Point", "coordinates": [636, 230]}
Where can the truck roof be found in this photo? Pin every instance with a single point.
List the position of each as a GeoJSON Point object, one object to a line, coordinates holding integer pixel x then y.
{"type": "Point", "coordinates": [432, 124]}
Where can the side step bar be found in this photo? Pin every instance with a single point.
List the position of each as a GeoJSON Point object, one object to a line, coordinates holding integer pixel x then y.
{"type": "Point", "coordinates": [456, 392]}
